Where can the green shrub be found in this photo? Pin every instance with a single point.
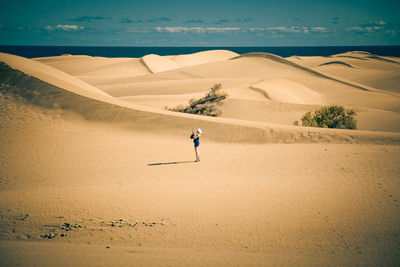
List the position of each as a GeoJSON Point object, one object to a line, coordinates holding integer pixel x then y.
{"type": "Point", "coordinates": [330, 117]}
{"type": "Point", "coordinates": [209, 105]}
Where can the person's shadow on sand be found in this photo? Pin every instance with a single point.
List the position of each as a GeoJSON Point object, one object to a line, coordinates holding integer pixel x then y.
{"type": "Point", "coordinates": [168, 163]}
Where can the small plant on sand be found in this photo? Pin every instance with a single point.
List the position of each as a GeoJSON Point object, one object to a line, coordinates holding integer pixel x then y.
{"type": "Point", "coordinates": [209, 105]}
{"type": "Point", "coordinates": [330, 117]}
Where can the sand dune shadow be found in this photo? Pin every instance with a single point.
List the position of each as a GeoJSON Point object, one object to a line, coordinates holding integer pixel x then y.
{"type": "Point", "coordinates": [169, 163]}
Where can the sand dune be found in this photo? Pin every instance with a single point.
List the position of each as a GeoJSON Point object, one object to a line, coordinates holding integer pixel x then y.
{"type": "Point", "coordinates": [313, 71]}
{"type": "Point", "coordinates": [237, 77]}
{"type": "Point", "coordinates": [156, 63]}
{"type": "Point", "coordinates": [366, 55]}
{"type": "Point", "coordinates": [279, 204]}
{"type": "Point", "coordinates": [286, 91]}
{"type": "Point", "coordinates": [52, 76]}
{"type": "Point", "coordinates": [100, 68]}
{"type": "Point", "coordinates": [256, 65]}
{"type": "Point", "coordinates": [96, 66]}
{"type": "Point", "coordinates": [110, 109]}
{"type": "Point", "coordinates": [203, 57]}
{"type": "Point", "coordinates": [86, 141]}
{"type": "Point", "coordinates": [371, 70]}
{"type": "Point", "coordinates": [170, 87]}
{"type": "Point", "coordinates": [239, 74]}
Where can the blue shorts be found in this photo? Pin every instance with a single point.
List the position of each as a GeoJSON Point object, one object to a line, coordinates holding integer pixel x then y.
{"type": "Point", "coordinates": [196, 143]}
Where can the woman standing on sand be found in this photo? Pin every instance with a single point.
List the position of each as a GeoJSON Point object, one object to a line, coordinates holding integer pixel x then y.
{"type": "Point", "coordinates": [196, 141]}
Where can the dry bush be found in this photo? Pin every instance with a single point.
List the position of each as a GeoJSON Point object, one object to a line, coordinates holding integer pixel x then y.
{"type": "Point", "coordinates": [330, 117]}
{"type": "Point", "coordinates": [209, 105]}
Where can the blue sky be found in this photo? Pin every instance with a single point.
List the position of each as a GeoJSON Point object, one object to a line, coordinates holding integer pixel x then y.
{"type": "Point", "coordinates": [200, 23]}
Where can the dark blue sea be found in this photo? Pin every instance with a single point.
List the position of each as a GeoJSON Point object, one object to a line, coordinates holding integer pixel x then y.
{"type": "Point", "coordinates": [135, 51]}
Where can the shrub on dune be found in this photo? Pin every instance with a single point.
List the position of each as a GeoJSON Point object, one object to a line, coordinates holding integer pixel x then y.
{"type": "Point", "coordinates": [209, 105]}
{"type": "Point", "coordinates": [330, 117]}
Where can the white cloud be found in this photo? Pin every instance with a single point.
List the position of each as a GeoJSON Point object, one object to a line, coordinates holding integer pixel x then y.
{"type": "Point", "coordinates": [137, 30]}
{"type": "Point", "coordinates": [256, 29]}
{"type": "Point", "coordinates": [380, 22]}
{"type": "Point", "coordinates": [64, 27]}
{"type": "Point", "coordinates": [365, 29]}
{"type": "Point", "coordinates": [194, 29]}
{"type": "Point", "coordinates": [319, 29]}
{"type": "Point", "coordinates": [280, 29]}
{"type": "Point", "coordinates": [275, 30]}
{"type": "Point", "coordinates": [222, 29]}
{"type": "Point", "coordinates": [293, 29]}
{"type": "Point", "coordinates": [373, 27]}
{"type": "Point", "coordinates": [296, 29]}
{"type": "Point", "coordinates": [180, 29]}
{"type": "Point", "coordinates": [173, 29]}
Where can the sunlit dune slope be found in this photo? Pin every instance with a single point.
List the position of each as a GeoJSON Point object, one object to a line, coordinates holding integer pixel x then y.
{"type": "Point", "coordinates": [243, 72]}
{"type": "Point", "coordinates": [50, 93]}
{"type": "Point", "coordinates": [362, 67]}
{"type": "Point", "coordinates": [52, 76]}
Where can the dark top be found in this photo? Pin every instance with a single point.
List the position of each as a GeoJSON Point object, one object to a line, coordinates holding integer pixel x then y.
{"type": "Point", "coordinates": [196, 141]}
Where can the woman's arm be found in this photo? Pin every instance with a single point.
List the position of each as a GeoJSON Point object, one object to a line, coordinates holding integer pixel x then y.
{"type": "Point", "coordinates": [194, 135]}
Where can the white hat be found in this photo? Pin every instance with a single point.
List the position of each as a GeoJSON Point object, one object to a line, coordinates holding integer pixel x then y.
{"type": "Point", "coordinates": [199, 130]}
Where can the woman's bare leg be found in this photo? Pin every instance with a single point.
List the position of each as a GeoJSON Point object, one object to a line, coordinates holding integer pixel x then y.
{"type": "Point", "coordinates": [196, 150]}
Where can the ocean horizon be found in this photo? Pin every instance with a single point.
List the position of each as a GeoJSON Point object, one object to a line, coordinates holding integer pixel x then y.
{"type": "Point", "coordinates": [140, 51]}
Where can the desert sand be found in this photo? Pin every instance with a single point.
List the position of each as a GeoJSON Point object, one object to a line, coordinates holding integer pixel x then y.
{"type": "Point", "coordinates": [90, 158]}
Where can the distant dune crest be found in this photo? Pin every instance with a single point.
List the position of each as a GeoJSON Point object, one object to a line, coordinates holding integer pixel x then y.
{"type": "Point", "coordinates": [156, 63]}
{"type": "Point", "coordinates": [337, 63]}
